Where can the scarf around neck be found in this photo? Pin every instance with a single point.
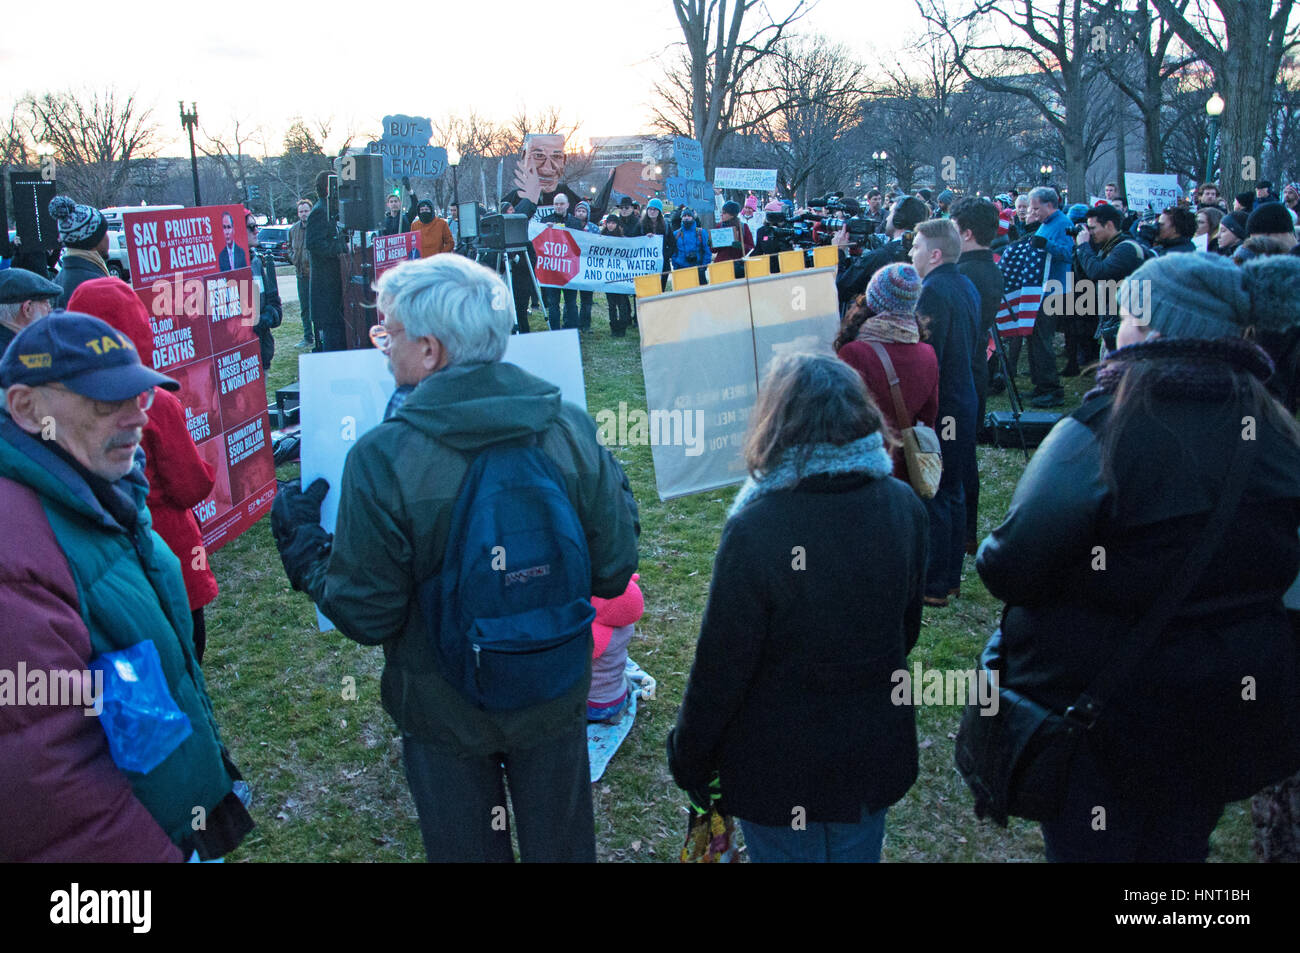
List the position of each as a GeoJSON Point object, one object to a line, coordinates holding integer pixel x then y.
{"type": "Point", "coordinates": [865, 455]}
{"type": "Point", "coordinates": [89, 255]}
{"type": "Point", "coordinates": [890, 327]}
{"type": "Point", "coordinates": [1186, 368]}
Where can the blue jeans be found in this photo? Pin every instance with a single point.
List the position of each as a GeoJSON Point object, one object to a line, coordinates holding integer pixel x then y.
{"type": "Point", "coordinates": [551, 299]}
{"type": "Point", "coordinates": [461, 801]}
{"type": "Point", "coordinates": [858, 843]}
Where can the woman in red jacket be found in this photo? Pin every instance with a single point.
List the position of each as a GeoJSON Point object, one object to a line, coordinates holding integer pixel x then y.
{"type": "Point", "coordinates": [178, 477]}
{"type": "Point", "coordinates": [886, 317]}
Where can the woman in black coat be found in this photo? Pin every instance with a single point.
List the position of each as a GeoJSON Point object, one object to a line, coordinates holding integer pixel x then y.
{"type": "Point", "coordinates": [1103, 520]}
{"type": "Point", "coordinates": [814, 604]}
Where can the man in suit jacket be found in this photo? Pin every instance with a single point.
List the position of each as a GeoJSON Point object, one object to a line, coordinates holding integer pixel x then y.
{"type": "Point", "coordinates": [232, 256]}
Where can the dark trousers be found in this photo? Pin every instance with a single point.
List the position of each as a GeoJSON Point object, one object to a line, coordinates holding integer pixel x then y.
{"type": "Point", "coordinates": [1042, 356]}
{"type": "Point", "coordinates": [584, 309]}
{"type": "Point", "coordinates": [1136, 829]}
{"type": "Point", "coordinates": [462, 801]}
{"type": "Point", "coordinates": [620, 312]}
{"type": "Point", "coordinates": [551, 299]}
{"type": "Point", "coordinates": [304, 302]}
{"type": "Point", "coordinates": [970, 470]}
{"type": "Point", "coordinates": [523, 288]}
{"type": "Point", "coordinates": [947, 511]}
{"type": "Point", "coordinates": [200, 633]}
{"type": "Point", "coordinates": [330, 338]}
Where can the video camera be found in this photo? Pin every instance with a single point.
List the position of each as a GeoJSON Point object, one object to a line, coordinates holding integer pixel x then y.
{"type": "Point", "coordinates": [841, 213]}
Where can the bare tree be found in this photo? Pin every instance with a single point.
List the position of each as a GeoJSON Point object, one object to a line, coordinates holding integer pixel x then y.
{"type": "Point", "coordinates": [16, 147]}
{"type": "Point", "coordinates": [719, 92]}
{"type": "Point", "coordinates": [1243, 42]}
{"type": "Point", "coordinates": [1134, 50]}
{"type": "Point", "coordinates": [1052, 49]}
{"type": "Point", "coordinates": [231, 153]}
{"type": "Point", "coordinates": [95, 137]}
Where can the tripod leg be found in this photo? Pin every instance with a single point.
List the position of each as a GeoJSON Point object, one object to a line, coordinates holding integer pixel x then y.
{"type": "Point", "coordinates": [504, 269]}
{"type": "Point", "coordinates": [1013, 395]}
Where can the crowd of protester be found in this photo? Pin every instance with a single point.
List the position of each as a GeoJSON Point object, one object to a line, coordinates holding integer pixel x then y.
{"type": "Point", "coordinates": [1181, 467]}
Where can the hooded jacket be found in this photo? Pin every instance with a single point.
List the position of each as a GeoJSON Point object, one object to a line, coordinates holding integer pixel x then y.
{"type": "Point", "coordinates": [77, 581]}
{"type": "Point", "coordinates": [387, 543]}
{"type": "Point", "coordinates": [435, 236]}
{"type": "Point", "coordinates": [691, 241]}
{"type": "Point", "coordinates": [178, 477]}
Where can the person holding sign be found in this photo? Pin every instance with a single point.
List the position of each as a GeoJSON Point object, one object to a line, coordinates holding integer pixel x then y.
{"type": "Point", "coordinates": [692, 244]}
{"type": "Point", "coordinates": [743, 241]}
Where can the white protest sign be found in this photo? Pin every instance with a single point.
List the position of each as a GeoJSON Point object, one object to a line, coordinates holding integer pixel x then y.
{"type": "Point", "coordinates": [760, 180]}
{"type": "Point", "coordinates": [344, 394]}
{"type": "Point", "coordinates": [590, 261]}
{"type": "Point", "coordinates": [1149, 190]}
{"type": "Point", "coordinates": [723, 237]}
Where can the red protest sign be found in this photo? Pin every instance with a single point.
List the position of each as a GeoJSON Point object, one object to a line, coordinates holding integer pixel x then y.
{"type": "Point", "coordinates": [558, 259]}
{"type": "Point", "coordinates": [192, 241]}
{"type": "Point", "coordinates": [392, 250]}
{"type": "Point", "coordinates": [202, 322]}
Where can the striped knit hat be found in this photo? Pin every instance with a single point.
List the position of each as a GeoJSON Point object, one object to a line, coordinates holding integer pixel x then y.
{"type": "Point", "coordinates": [80, 226]}
{"type": "Point", "coordinates": [894, 288]}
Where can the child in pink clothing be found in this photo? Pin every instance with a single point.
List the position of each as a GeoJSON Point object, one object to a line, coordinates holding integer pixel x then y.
{"type": "Point", "coordinates": [611, 632]}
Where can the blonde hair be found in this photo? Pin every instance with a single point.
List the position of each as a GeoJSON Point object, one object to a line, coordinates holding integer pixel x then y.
{"type": "Point", "coordinates": [941, 233]}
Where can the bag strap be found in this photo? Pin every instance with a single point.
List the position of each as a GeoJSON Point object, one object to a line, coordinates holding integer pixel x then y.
{"type": "Point", "coordinates": [900, 408]}
{"type": "Point", "coordinates": [1087, 707]}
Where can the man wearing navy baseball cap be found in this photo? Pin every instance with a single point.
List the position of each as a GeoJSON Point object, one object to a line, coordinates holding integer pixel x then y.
{"type": "Point", "coordinates": [86, 585]}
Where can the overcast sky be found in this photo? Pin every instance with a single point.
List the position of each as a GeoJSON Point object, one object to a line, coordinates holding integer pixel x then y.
{"type": "Point", "coordinates": [265, 63]}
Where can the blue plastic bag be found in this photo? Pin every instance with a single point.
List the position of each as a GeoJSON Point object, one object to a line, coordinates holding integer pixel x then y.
{"type": "Point", "coordinates": [140, 718]}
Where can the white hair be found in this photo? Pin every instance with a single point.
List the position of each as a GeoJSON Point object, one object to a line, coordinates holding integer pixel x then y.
{"type": "Point", "coordinates": [1046, 195]}
{"type": "Point", "coordinates": [11, 311]}
{"type": "Point", "coordinates": [462, 304]}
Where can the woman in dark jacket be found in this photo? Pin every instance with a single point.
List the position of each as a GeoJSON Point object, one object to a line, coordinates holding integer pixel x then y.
{"type": "Point", "coordinates": [652, 223]}
{"type": "Point", "coordinates": [620, 305]}
{"type": "Point", "coordinates": [814, 604]}
{"type": "Point", "coordinates": [1103, 520]}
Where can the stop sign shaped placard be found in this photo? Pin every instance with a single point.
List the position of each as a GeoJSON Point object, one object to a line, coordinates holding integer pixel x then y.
{"type": "Point", "coordinates": [557, 257]}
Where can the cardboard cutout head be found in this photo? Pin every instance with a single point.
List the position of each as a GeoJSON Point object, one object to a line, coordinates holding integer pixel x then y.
{"type": "Point", "coordinates": [546, 154]}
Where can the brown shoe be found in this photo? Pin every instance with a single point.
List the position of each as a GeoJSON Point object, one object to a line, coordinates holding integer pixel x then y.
{"type": "Point", "coordinates": [935, 602]}
{"type": "Point", "coordinates": [954, 593]}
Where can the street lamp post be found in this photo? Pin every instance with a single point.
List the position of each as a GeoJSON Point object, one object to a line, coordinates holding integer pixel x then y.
{"type": "Point", "coordinates": [189, 120]}
{"type": "Point", "coordinates": [879, 157]}
{"type": "Point", "coordinates": [1213, 109]}
{"type": "Point", "coordinates": [1045, 171]}
{"type": "Point", "coordinates": [453, 160]}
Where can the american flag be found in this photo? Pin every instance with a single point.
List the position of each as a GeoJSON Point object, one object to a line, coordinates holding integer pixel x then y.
{"type": "Point", "coordinates": [1024, 272]}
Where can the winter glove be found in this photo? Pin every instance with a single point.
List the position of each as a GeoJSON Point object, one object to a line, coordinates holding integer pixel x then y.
{"type": "Point", "coordinates": [702, 794]}
{"type": "Point", "coordinates": [303, 552]}
{"type": "Point", "coordinates": [294, 508]}
{"type": "Point", "coordinates": [1038, 241]}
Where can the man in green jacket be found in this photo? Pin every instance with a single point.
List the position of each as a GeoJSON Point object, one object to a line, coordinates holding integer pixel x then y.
{"type": "Point", "coordinates": [448, 320]}
{"type": "Point", "coordinates": [85, 581]}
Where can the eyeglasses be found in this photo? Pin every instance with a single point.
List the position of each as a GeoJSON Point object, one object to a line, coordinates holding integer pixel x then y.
{"type": "Point", "coordinates": [104, 408]}
{"type": "Point", "coordinates": [252, 228]}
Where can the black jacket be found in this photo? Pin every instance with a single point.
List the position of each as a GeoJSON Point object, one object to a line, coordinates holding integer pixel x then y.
{"type": "Point", "coordinates": [271, 311]}
{"type": "Point", "coordinates": [401, 222]}
{"type": "Point", "coordinates": [1181, 246]}
{"type": "Point", "coordinates": [1078, 564]}
{"type": "Point", "coordinates": [324, 246]}
{"type": "Point", "coordinates": [855, 273]}
{"type": "Point", "coordinates": [1116, 259]}
{"type": "Point", "coordinates": [978, 265]}
{"type": "Point", "coordinates": [951, 304]}
{"type": "Point", "coordinates": [72, 272]}
{"type": "Point", "coordinates": [631, 226]}
{"type": "Point", "coordinates": [789, 694]}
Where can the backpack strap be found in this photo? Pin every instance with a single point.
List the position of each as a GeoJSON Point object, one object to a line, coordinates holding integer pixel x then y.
{"type": "Point", "coordinates": [900, 408]}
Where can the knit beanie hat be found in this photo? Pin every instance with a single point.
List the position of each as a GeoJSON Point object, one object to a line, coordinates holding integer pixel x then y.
{"type": "Point", "coordinates": [1078, 213]}
{"type": "Point", "coordinates": [731, 208]}
{"type": "Point", "coordinates": [423, 204]}
{"type": "Point", "coordinates": [1269, 218]}
{"type": "Point", "coordinates": [655, 203]}
{"type": "Point", "coordinates": [895, 288]}
{"type": "Point", "coordinates": [1235, 223]}
{"type": "Point", "coordinates": [80, 226]}
{"type": "Point", "coordinates": [774, 206]}
{"type": "Point", "coordinates": [584, 204]}
{"type": "Point", "coordinates": [924, 193]}
{"type": "Point", "coordinates": [945, 196]}
{"type": "Point", "coordinates": [1207, 296]}
{"type": "Point", "coordinates": [615, 613]}
{"type": "Point", "coordinates": [751, 203]}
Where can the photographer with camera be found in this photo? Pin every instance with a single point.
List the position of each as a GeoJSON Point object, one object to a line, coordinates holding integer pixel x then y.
{"type": "Point", "coordinates": [774, 235]}
{"type": "Point", "coordinates": [1105, 252]}
{"type": "Point", "coordinates": [1172, 234]}
{"type": "Point", "coordinates": [855, 273]}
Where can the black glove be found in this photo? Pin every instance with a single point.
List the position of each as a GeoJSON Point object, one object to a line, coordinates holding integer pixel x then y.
{"type": "Point", "coordinates": [406, 183]}
{"type": "Point", "coordinates": [702, 794]}
{"type": "Point", "coordinates": [309, 545]}
{"type": "Point", "coordinates": [1038, 241]}
{"type": "Point", "coordinates": [293, 508]}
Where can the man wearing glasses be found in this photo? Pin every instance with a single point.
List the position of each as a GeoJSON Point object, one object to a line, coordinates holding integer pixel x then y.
{"type": "Point", "coordinates": [83, 575]}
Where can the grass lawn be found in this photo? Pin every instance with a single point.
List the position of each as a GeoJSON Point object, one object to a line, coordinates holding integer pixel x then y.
{"type": "Point", "coordinates": [326, 772]}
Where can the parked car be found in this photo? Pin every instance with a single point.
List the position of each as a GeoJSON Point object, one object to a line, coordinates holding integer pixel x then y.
{"type": "Point", "coordinates": [119, 265]}
{"type": "Point", "coordinates": [273, 240]}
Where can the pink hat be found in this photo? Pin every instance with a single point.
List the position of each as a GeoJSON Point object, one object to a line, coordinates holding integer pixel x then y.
{"type": "Point", "coordinates": [774, 206]}
{"type": "Point", "coordinates": [615, 613]}
{"type": "Point", "coordinates": [751, 203]}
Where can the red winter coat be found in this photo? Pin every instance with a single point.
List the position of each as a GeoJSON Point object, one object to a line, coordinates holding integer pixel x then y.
{"type": "Point", "coordinates": [732, 252]}
{"type": "Point", "coordinates": [178, 477]}
{"type": "Point", "coordinates": [918, 380]}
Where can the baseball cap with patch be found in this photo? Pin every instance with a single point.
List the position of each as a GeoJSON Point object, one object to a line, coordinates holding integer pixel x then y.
{"type": "Point", "coordinates": [84, 354]}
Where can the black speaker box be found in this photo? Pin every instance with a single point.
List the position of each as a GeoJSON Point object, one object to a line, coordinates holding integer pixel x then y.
{"type": "Point", "coordinates": [503, 231]}
{"type": "Point", "coordinates": [361, 191]}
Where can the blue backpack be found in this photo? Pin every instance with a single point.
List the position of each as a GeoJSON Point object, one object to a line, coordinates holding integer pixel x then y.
{"type": "Point", "coordinates": [509, 615]}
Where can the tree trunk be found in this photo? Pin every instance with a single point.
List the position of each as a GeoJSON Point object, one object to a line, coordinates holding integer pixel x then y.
{"type": "Point", "coordinates": [1121, 153]}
